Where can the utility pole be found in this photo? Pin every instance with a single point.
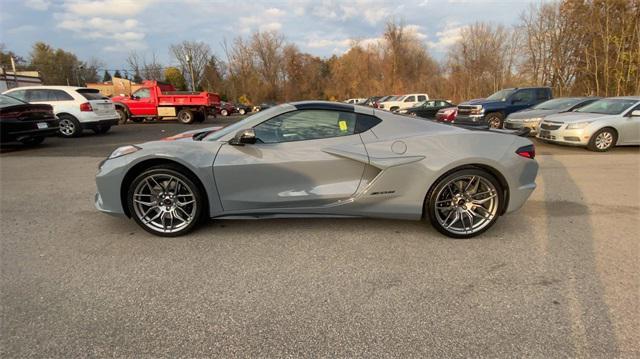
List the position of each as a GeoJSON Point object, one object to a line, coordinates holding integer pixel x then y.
{"type": "Point", "coordinates": [15, 74]}
{"type": "Point", "coordinates": [193, 81]}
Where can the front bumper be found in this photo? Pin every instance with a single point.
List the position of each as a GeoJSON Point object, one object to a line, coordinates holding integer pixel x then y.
{"type": "Point", "coordinates": [579, 137]}
{"type": "Point", "coordinates": [470, 120]}
{"type": "Point", "coordinates": [516, 125]}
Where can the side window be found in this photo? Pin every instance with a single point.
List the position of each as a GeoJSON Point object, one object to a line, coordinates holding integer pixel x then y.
{"type": "Point", "coordinates": [19, 94]}
{"type": "Point", "coordinates": [38, 95]}
{"type": "Point", "coordinates": [422, 98]}
{"type": "Point", "coordinates": [542, 94]}
{"type": "Point", "coordinates": [442, 104]}
{"type": "Point", "coordinates": [306, 125]}
{"type": "Point", "coordinates": [410, 99]}
{"type": "Point", "coordinates": [142, 93]}
{"type": "Point", "coordinates": [524, 96]}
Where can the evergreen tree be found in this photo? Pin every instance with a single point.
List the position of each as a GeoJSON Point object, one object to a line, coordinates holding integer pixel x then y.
{"type": "Point", "coordinates": [117, 74]}
{"type": "Point", "coordinates": [106, 77]}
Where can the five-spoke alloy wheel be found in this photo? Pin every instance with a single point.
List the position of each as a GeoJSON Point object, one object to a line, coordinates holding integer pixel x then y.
{"type": "Point", "coordinates": [465, 203]}
{"type": "Point", "coordinates": [165, 202]}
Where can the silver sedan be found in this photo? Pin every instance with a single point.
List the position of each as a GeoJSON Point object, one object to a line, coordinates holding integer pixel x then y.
{"type": "Point", "coordinates": [599, 126]}
{"type": "Point", "coordinates": [321, 159]}
{"type": "Point", "coordinates": [531, 117]}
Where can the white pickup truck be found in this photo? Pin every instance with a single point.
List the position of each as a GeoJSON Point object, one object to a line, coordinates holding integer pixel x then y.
{"type": "Point", "coordinates": [405, 101]}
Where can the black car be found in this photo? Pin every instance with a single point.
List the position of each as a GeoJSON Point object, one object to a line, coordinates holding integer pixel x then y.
{"type": "Point", "coordinates": [242, 109]}
{"type": "Point", "coordinates": [265, 105]}
{"type": "Point", "coordinates": [24, 122]}
{"type": "Point", "coordinates": [427, 109]}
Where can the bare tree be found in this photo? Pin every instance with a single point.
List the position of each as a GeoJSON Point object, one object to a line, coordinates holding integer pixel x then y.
{"type": "Point", "coordinates": [193, 57]}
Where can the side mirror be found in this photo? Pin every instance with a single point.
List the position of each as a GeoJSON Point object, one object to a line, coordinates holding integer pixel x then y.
{"type": "Point", "coordinates": [635, 113]}
{"type": "Point", "coordinates": [134, 97]}
{"type": "Point", "coordinates": [244, 137]}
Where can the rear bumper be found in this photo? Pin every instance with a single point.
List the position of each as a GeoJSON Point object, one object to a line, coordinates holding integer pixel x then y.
{"type": "Point", "coordinates": [99, 123]}
{"type": "Point", "coordinates": [18, 130]}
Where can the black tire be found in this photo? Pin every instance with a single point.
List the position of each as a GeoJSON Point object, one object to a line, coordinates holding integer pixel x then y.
{"type": "Point", "coordinates": [32, 141]}
{"type": "Point", "coordinates": [430, 205]}
{"type": "Point", "coordinates": [186, 116]}
{"type": "Point", "coordinates": [137, 119]}
{"type": "Point", "coordinates": [69, 126]}
{"type": "Point", "coordinates": [122, 115]}
{"type": "Point", "coordinates": [200, 116]}
{"type": "Point", "coordinates": [494, 119]}
{"type": "Point", "coordinates": [603, 140]}
{"type": "Point", "coordinates": [100, 129]}
{"type": "Point", "coordinates": [188, 180]}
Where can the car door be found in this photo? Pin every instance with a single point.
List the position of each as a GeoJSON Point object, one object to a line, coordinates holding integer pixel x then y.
{"type": "Point", "coordinates": [522, 99]}
{"type": "Point", "coordinates": [630, 128]}
{"type": "Point", "coordinates": [409, 101]}
{"type": "Point", "coordinates": [142, 103]}
{"type": "Point", "coordinates": [302, 159]}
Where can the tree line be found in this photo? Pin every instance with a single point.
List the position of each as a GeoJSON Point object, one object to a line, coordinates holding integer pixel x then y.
{"type": "Point", "coordinates": [577, 47]}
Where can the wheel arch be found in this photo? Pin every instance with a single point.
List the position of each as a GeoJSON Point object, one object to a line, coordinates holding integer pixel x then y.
{"type": "Point", "coordinates": [66, 114]}
{"type": "Point", "coordinates": [122, 106]}
{"type": "Point", "coordinates": [140, 167]}
{"type": "Point", "coordinates": [491, 170]}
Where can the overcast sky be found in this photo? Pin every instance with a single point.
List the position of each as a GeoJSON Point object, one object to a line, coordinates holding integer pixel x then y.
{"type": "Point", "coordinates": [109, 29]}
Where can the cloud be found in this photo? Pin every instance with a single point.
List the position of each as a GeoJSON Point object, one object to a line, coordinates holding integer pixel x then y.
{"type": "Point", "coordinates": [372, 11]}
{"type": "Point", "coordinates": [324, 43]}
{"type": "Point", "coordinates": [117, 8]}
{"type": "Point", "coordinates": [268, 20]}
{"type": "Point", "coordinates": [446, 37]}
{"type": "Point", "coordinates": [21, 29]}
{"type": "Point", "coordinates": [40, 5]}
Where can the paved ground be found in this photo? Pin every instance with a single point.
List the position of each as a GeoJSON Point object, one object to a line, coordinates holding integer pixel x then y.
{"type": "Point", "coordinates": [561, 277]}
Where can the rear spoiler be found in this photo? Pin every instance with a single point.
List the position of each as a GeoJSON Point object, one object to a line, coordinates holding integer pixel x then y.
{"type": "Point", "coordinates": [523, 132]}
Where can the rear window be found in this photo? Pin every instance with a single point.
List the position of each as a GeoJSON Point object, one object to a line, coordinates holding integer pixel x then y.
{"type": "Point", "coordinates": [6, 101]}
{"type": "Point", "coordinates": [91, 94]}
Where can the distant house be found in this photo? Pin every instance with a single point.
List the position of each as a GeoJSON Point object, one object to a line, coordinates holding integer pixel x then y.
{"type": "Point", "coordinates": [115, 88]}
{"type": "Point", "coordinates": [9, 79]}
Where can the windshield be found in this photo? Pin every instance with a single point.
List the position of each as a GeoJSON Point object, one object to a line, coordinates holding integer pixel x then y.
{"type": "Point", "coordinates": [215, 136]}
{"type": "Point", "coordinates": [501, 95]}
{"type": "Point", "coordinates": [557, 104]}
{"type": "Point", "coordinates": [608, 106]}
{"type": "Point", "coordinates": [6, 101]}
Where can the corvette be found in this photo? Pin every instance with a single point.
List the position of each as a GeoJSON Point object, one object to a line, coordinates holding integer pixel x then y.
{"type": "Point", "coordinates": [321, 159]}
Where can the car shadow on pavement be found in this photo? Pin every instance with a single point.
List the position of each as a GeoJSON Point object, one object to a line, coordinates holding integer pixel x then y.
{"type": "Point", "coordinates": [570, 260]}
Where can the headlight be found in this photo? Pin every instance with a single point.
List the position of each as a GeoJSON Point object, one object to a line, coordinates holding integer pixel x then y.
{"type": "Point", "coordinates": [124, 150]}
{"type": "Point", "coordinates": [477, 111]}
{"type": "Point", "coordinates": [578, 125]}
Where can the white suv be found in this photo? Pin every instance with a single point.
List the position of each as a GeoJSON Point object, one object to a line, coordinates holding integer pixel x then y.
{"type": "Point", "coordinates": [78, 108]}
{"type": "Point", "coordinates": [402, 102]}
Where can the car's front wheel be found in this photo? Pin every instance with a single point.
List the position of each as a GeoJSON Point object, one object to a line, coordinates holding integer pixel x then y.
{"type": "Point", "coordinates": [165, 201]}
{"type": "Point", "coordinates": [224, 112]}
{"type": "Point", "coordinates": [603, 140]}
{"type": "Point", "coordinates": [242, 111]}
{"type": "Point", "coordinates": [495, 120]}
{"type": "Point", "coordinates": [464, 203]}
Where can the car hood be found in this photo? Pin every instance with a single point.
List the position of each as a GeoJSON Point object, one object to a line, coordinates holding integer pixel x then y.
{"type": "Point", "coordinates": [570, 117]}
{"type": "Point", "coordinates": [188, 135]}
{"type": "Point", "coordinates": [531, 113]}
{"type": "Point", "coordinates": [481, 101]}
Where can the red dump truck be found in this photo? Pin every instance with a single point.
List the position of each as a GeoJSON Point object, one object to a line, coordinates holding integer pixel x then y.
{"type": "Point", "coordinates": [156, 100]}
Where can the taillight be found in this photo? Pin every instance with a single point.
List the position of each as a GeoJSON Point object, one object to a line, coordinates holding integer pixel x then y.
{"type": "Point", "coordinates": [527, 151]}
{"type": "Point", "coordinates": [86, 107]}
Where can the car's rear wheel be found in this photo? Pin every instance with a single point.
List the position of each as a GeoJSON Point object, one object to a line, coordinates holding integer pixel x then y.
{"type": "Point", "coordinates": [224, 112]}
{"type": "Point", "coordinates": [242, 111]}
{"type": "Point", "coordinates": [164, 201]}
{"type": "Point", "coordinates": [465, 203]}
{"type": "Point", "coordinates": [603, 140]}
{"type": "Point", "coordinates": [69, 126]}
{"type": "Point", "coordinates": [495, 120]}
{"type": "Point", "coordinates": [186, 116]}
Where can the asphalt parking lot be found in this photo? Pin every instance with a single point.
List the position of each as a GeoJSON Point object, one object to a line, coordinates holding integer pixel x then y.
{"type": "Point", "coordinates": [558, 278]}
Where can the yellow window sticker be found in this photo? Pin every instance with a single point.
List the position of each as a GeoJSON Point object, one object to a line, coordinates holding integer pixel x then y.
{"type": "Point", "coordinates": [343, 125]}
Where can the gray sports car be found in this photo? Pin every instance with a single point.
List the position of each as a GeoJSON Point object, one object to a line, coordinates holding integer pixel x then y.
{"type": "Point", "coordinates": [321, 159]}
